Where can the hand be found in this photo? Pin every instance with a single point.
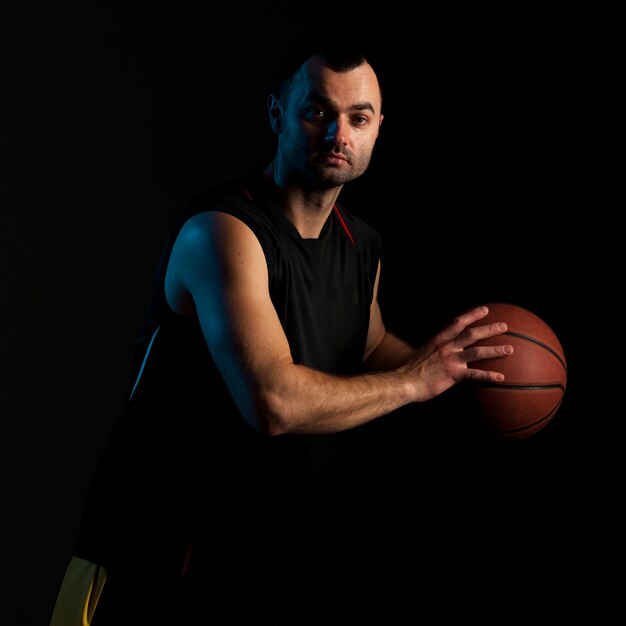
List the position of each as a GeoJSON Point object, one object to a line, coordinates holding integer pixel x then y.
{"type": "Point", "coordinates": [443, 361]}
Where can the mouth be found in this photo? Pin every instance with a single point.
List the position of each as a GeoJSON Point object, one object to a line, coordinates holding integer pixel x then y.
{"type": "Point", "coordinates": [333, 158]}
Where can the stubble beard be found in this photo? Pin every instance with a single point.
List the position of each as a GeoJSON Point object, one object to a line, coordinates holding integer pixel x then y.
{"type": "Point", "coordinates": [328, 176]}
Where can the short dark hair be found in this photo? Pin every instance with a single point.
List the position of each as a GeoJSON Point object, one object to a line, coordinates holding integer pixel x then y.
{"type": "Point", "coordinates": [339, 53]}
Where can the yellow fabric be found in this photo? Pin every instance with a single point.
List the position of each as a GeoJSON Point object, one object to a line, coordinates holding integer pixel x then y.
{"type": "Point", "coordinates": [79, 593]}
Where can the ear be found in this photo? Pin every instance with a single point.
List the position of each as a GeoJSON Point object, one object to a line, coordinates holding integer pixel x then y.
{"type": "Point", "coordinates": [380, 123]}
{"type": "Point", "coordinates": [275, 111]}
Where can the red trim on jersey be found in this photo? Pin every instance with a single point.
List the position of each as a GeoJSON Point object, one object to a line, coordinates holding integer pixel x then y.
{"type": "Point", "coordinates": [337, 212]}
{"type": "Point", "coordinates": [248, 194]}
{"type": "Point", "coordinates": [344, 224]}
{"type": "Point", "coordinates": [185, 567]}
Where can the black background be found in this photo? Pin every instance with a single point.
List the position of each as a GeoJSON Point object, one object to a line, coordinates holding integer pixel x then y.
{"type": "Point", "coordinates": [483, 188]}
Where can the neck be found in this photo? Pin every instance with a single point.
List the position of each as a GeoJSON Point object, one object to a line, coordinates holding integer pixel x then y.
{"type": "Point", "coordinates": [306, 208]}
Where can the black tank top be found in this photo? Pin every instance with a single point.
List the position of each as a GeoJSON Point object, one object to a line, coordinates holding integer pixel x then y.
{"type": "Point", "coordinates": [181, 459]}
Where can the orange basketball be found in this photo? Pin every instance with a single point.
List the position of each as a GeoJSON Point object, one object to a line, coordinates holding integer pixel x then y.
{"type": "Point", "coordinates": [535, 376]}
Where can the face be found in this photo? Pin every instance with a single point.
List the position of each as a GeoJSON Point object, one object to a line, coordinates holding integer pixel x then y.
{"type": "Point", "coordinates": [328, 124]}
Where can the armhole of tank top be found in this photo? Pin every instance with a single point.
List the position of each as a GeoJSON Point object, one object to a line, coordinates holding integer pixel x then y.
{"type": "Point", "coordinates": [256, 228]}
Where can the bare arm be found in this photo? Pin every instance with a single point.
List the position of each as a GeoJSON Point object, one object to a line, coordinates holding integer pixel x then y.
{"type": "Point", "coordinates": [219, 263]}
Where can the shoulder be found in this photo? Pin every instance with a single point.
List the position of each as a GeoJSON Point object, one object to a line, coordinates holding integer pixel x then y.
{"type": "Point", "coordinates": [211, 230]}
{"type": "Point", "coordinates": [212, 248]}
{"type": "Point", "coordinates": [227, 214]}
{"type": "Point", "coordinates": [242, 198]}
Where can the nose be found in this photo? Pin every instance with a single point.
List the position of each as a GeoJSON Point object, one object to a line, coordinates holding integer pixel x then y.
{"type": "Point", "coordinates": [337, 132]}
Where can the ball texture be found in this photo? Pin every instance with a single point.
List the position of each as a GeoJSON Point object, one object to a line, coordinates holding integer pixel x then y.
{"type": "Point", "coordinates": [535, 376]}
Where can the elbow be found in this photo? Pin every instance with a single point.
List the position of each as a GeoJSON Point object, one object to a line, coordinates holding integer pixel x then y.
{"type": "Point", "coordinates": [272, 403]}
{"type": "Point", "coordinates": [263, 410]}
{"type": "Point", "coordinates": [275, 429]}
{"type": "Point", "coordinates": [274, 417]}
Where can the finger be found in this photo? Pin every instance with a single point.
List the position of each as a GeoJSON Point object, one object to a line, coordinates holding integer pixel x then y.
{"type": "Point", "coordinates": [484, 331]}
{"type": "Point", "coordinates": [483, 376]}
{"type": "Point", "coordinates": [479, 353]}
{"type": "Point", "coordinates": [460, 323]}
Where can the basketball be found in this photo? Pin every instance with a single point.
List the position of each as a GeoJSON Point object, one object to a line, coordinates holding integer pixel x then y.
{"type": "Point", "coordinates": [535, 376]}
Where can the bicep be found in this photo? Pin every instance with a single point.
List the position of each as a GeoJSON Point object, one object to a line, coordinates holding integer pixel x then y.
{"type": "Point", "coordinates": [221, 264]}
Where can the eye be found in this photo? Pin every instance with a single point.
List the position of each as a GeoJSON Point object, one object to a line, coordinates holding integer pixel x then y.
{"type": "Point", "coordinates": [315, 114]}
{"type": "Point", "coordinates": [360, 120]}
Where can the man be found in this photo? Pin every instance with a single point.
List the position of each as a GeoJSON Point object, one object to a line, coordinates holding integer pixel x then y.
{"type": "Point", "coordinates": [262, 350]}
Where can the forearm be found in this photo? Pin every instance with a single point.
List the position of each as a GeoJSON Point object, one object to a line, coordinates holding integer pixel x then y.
{"type": "Point", "coordinates": [308, 401]}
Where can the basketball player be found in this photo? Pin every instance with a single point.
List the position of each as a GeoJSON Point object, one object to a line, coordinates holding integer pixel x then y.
{"type": "Point", "coordinates": [263, 348]}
